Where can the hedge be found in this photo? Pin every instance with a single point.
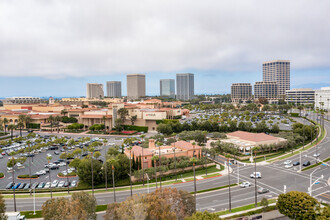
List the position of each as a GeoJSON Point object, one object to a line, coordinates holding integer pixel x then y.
{"type": "Point", "coordinates": [69, 174]}
{"type": "Point", "coordinates": [136, 128]}
{"type": "Point", "coordinates": [294, 114]}
{"type": "Point", "coordinates": [2, 175]}
{"type": "Point", "coordinates": [34, 126]}
{"type": "Point", "coordinates": [26, 176]}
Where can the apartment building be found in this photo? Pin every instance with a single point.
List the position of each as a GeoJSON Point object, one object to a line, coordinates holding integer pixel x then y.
{"type": "Point", "coordinates": [241, 92]}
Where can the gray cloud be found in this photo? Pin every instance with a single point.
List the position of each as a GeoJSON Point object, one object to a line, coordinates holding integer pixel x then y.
{"type": "Point", "coordinates": [55, 39]}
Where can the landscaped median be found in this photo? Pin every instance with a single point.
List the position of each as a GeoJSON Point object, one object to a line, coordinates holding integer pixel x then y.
{"type": "Point", "coordinates": [317, 164]}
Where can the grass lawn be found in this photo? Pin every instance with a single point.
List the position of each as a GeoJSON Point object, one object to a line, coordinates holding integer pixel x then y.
{"type": "Point", "coordinates": [189, 179]}
{"type": "Point", "coordinates": [211, 175]}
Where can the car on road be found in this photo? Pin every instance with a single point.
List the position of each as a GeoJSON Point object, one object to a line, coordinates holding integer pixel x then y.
{"type": "Point", "coordinates": [9, 185]}
{"type": "Point", "coordinates": [54, 183]}
{"type": "Point", "coordinates": [61, 184]}
{"type": "Point", "coordinates": [262, 190]}
{"type": "Point", "coordinates": [296, 163]}
{"type": "Point", "coordinates": [316, 154]}
{"type": "Point", "coordinates": [245, 184]}
{"type": "Point", "coordinates": [307, 163]}
{"type": "Point", "coordinates": [34, 185]}
{"type": "Point", "coordinates": [287, 162]}
{"type": "Point", "coordinates": [57, 153]}
{"type": "Point", "coordinates": [288, 166]}
{"type": "Point", "coordinates": [255, 175]}
{"type": "Point", "coordinates": [47, 185]}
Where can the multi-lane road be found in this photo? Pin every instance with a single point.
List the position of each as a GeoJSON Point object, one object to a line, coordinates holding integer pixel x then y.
{"type": "Point", "coordinates": [274, 177]}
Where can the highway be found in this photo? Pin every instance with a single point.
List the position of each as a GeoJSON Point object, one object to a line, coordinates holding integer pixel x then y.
{"type": "Point", "coordinates": [274, 177]}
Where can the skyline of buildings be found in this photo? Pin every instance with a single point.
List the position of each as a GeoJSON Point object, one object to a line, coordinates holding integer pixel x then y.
{"type": "Point", "coordinates": [277, 71]}
{"type": "Point", "coordinates": [167, 88]}
{"type": "Point", "coordinates": [94, 90]}
{"type": "Point", "coordinates": [136, 86]}
{"type": "Point", "coordinates": [114, 89]}
{"type": "Point", "coordinates": [241, 92]}
{"type": "Point", "coordinates": [185, 86]}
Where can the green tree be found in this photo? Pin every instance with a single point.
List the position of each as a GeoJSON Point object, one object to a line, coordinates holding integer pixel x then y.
{"type": "Point", "coordinates": [85, 171]}
{"type": "Point", "coordinates": [51, 120]}
{"type": "Point", "coordinates": [298, 205]}
{"type": "Point", "coordinates": [203, 216]}
{"type": "Point", "coordinates": [5, 122]}
{"type": "Point", "coordinates": [264, 203]}
{"type": "Point", "coordinates": [11, 128]}
{"type": "Point", "coordinates": [3, 215]}
{"type": "Point", "coordinates": [123, 112]}
{"type": "Point", "coordinates": [133, 119]}
{"type": "Point", "coordinates": [165, 129]}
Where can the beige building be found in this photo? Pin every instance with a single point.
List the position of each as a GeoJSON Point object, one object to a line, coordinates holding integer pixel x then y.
{"type": "Point", "coordinates": [94, 90]}
{"type": "Point", "coordinates": [114, 89]}
{"type": "Point", "coordinates": [241, 92]}
{"type": "Point", "coordinates": [136, 86]}
{"type": "Point", "coordinates": [277, 71]}
{"type": "Point", "coordinates": [300, 96]}
{"type": "Point", "coordinates": [267, 90]}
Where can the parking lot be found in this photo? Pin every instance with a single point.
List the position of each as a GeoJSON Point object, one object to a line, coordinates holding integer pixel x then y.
{"type": "Point", "coordinates": [38, 163]}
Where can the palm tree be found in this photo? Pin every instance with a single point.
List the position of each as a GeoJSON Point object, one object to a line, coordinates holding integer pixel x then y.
{"type": "Point", "coordinates": [27, 121]}
{"type": "Point", "coordinates": [64, 112]}
{"type": "Point", "coordinates": [20, 126]}
{"type": "Point", "coordinates": [113, 162]}
{"type": "Point", "coordinates": [104, 118]}
{"type": "Point", "coordinates": [11, 127]}
{"type": "Point", "coordinates": [155, 158]}
{"type": "Point", "coordinates": [57, 121]}
{"type": "Point", "coordinates": [1, 122]}
{"type": "Point", "coordinates": [130, 168]}
{"type": "Point", "coordinates": [105, 167]}
{"type": "Point", "coordinates": [5, 122]}
{"type": "Point", "coordinates": [51, 120]}
{"type": "Point", "coordinates": [194, 160]}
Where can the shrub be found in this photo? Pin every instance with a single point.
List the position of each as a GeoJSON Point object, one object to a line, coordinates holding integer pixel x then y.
{"type": "Point", "coordinates": [25, 176]}
{"type": "Point", "coordinates": [294, 114]}
{"type": "Point", "coordinates": [2, 175]}
{"type": "Point", "coordinates": [69, 174]}
{"type": "Point", "coordinates": [34, 126]}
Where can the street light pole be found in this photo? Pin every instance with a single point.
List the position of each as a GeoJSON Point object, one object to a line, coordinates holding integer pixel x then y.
{"type": "Point", "coordinates": [14, 184]}
{"type": "Point", "coordinates": [311, 181]}
{"type": "Point", "coordinates": [113, 183]}
{"type": "Point", "coordinates": [255, 180]}
{"type": "Point", "coordinates": [229, 185]}
{"type": "Point", "coordinates": [142, 166]}
{"type": "Point", "coordinates": [130, 171]}
{"type": "Point", "coordinates": [237, 173]}
{"type": "Point", "coordinates": [92, 173]}
{"type": "Point", "coordinates": [160, 170]}
{"type": "Point", "coordinates": [176, 178]}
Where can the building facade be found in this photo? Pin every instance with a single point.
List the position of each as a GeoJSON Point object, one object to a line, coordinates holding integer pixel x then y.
{"type": "Point", "coordinates": [322, 98]}
{"type": "Point", "coordinates": [114, 89]}
{"type": "Point", "coordinates": [95, 90]}
{"type": "Point", "coordinates": [136, 86]}
{"type": "Point", "coordinates": [21, 100]}
{"type": "Point", "coordinates": [267, 90]}
{"type": "Point", "coordinates": [184, 86]}
{"type": "Point", "coordinates": [241, 92]}
{"type": "Point", "coordinates": [300, 96]}
{"type": "Point", "coordinates": [167, 88]}
{"type": "Point", "coordinates": [277, 71]}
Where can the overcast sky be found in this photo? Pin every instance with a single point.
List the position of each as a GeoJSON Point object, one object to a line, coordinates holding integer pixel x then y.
{"type": "Point", "coordinates": [54, 47]}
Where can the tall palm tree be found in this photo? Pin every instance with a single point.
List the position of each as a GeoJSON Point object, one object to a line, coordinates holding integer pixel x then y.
{"type": "Point", "coordinates": [11, 128]}
{"type": "Point", "coordinates": [155, 159]}
{"type": "Point", "coordinates": [130, 168]}
{"type": "Point", "coordinates": [194, 160]}
{"type": "Point", "coordinates": [20, 126]}
{"type": "Point", "coordinates": [105, 165]}
{"type": "Point", "coordinates": [51, 120]}
{"type": "Point", "coordinates": [113, 162]}
{"type": "Point", "coordinates": [5, 122]}
{"type": "Point", "coordinates": [57, 121]}
{"type": "Point", "coordinates": [27, 121]}
{"type": "Point", "coordinates": [104, 118]}
{"type": "Point", "coordinates": [64, 112]}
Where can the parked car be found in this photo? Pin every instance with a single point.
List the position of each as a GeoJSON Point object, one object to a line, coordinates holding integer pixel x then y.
{"type": "Point", "coordinates": [296, 163]}
{"type": "Point", "coordinates": [74, 183]}
{"type": "Point", "coordinates": [54, 183]}
{"type": "Point", "coordinates": [288, 166]}
{"type": "Point", "coordinates": [66, 184]}
{"type": "Point", "coordinates": [262, 190]}
{"type": "Point", "coordinates": [61, 184]}
{"type": "Point", "coordinates": [287, 162]}
{"type": "Point", "coordinates": [9, 185]}
{"type": "Point", "coordinates": [255, 175]}
{"type": "Point", "coordinates": [27, 186]}
{"type": "Point", "coordinates": [47, 185]}
{"type": "Point", "coordinates": [34, 185]}
{"type": "Point", "coordinates": [316, 154]}
{"type": "Point", "coordinates": [245, 184]}
{"type": "Point", "coordinates": [307, 163]}
{"type": "Point", "coordinates": [16, 185]}
{"type": "Point", "coordinates": [22, 186]}
{"type": "Point", "coordinates": [41, 185]}
{"type": "Point", "coordinates": [57, 153]}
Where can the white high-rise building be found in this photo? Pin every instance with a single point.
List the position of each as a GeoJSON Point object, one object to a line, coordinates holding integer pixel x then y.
{"type": "Point", "coordinates": [167, 88]}
{"type": "Point", "coordinates": [95, 90]}
{"type": "Point", "coordinates": [136, 86]}
{"type": "Point", "coordinates": [300, 96]}
{"type": "Point", "coordinates": [322, 98]}
{"type": "Point", "coordinates": [114, 89]}
{"type": "Point", "coordinates": [277, 71]}
{"type": "Point", "coordinates": [185, 86]}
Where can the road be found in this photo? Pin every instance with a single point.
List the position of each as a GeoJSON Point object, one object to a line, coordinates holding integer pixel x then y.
{"type": "Point", "coordinates": [274, 177]}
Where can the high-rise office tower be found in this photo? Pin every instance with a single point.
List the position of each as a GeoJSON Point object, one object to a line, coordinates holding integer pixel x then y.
{"type": "Point", "coordinates": [241, 92]}
{"type": "Point", "coordinates": [114, 89]}
{"type": "Point", "coordinates": [185, 86]}
{"type": "Point", "coordinates": [136, 86]}
{"type": "Point", "coordinates": [95, 90]}
{"type": "Point", "coordinates": [277, 71]}
{"type": "Point", "coordinates": [167, 88]}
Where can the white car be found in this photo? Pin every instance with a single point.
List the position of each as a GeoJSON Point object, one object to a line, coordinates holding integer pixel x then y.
{"type": "Point", "coordinates": [288, 166]}
{"type": "Point", "coordinates": [48, 184]}
{"type": "Point", "coordinates": [245, 184]}
{"type": "Point", "coordinates": [49, 155]}
{"type": "Point", "coordinates": [54, 183]}
{"type": "Point", "coordinates": [316, 155]}
{"type": "Point", "coordinates": [62, 164]}
{"type": "Point", "coordinates": [287, 162]}
{"type": "Point", "coordinates": [61, 184]}
{"type": "Point", "coordinates": [255, 175]}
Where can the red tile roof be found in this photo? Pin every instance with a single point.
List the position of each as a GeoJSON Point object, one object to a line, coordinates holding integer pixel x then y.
{"type": "Point", "coordinates": [137, 151]}
{"type": "Point", "coordinates": [255, 137]}
{"type": "Point", "coordinates": [95, 116]}
{"type": "Point", "coordinates": [186, 145]}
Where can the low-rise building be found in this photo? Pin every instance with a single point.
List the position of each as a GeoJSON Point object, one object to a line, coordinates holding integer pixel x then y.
{"type": "Point", "coordinates": [241, 92]}
{"type": "Point", "coordinates": [266, 90]}
{"type": "Point", "coordinates": [301, 96]}
{"type": "Point", "coordinates": [322, 98]}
